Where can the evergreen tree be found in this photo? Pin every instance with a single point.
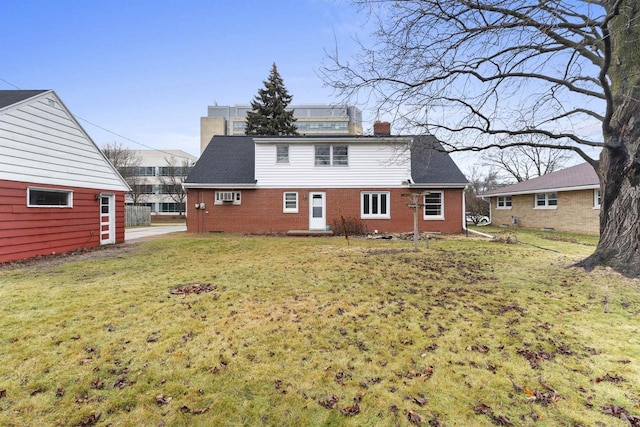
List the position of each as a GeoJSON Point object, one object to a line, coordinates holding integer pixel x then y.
{"type": "Point", "coordinates": [269, 115]}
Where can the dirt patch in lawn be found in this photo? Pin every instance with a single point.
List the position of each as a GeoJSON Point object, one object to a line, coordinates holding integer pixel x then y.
{"type": "Point", "coordinates": [91, 254]}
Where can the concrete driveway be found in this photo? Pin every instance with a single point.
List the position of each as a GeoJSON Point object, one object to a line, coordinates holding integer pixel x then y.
{"type": "Point", "coordinates": [139, 234]}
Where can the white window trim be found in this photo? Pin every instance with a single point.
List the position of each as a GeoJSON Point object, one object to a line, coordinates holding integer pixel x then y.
{"type": "Point", "coordinates": [375, 216]}
{"type": "Point", "coordinates": [434, 217]}
{"type": "Point", "coordinates": [237, 199]}
{"type": "Point", "coordinates": [546, 202]}
{"type": "Point", "coordinates": [596, 203]}
{"type": "Point", "coordinates": [52, 190]}
{"type": "Point", "coordinates": [503, 207]}
{"type": "Point", "coordinates": [284, 202]}
{"type": "Point", "coordinates": [331, 156]}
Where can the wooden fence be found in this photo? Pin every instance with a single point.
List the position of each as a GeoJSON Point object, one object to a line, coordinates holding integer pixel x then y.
{"type": "Point", "coordinates": [137, 215]}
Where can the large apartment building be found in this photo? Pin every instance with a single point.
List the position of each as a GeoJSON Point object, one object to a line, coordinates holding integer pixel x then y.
{"type": "Point", "coordinates": [156, 180]}
{"type": "Point", "coordinates": [311, 120]}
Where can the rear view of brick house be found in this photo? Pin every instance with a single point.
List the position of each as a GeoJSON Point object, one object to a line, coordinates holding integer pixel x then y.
{"type": "Point", "coordinates": [264, 185]}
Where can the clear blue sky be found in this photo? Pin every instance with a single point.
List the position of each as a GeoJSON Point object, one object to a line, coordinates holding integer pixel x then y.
{"type": "Point", "coordinates": [147, 70]}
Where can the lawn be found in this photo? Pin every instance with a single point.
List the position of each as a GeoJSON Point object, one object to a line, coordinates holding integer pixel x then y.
{"type": "Point", "coordinates": [244, 330]}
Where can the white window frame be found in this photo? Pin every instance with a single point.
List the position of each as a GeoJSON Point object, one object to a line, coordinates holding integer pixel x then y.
{"type": "Point", "coordinates": [331, 160]}
{"type": "Point", "coordinates": [503, 202]}
{"type": "Point", "coordinates": [237, 198]}
{"type": "Point", "coordinates": [371, 196]}
{"type": "Point", "coordinates": [547, 199]}
{"type": "Point", "coordinates": [597, 198]}
{"type": "Point", "coordinates": [424, 208]}
{"type": "Point", "coordinates": [286, 209]}
{"type": "Point", "coordinates": [282, 157]}
{"type": "Point", "coordinates": [69, 194]}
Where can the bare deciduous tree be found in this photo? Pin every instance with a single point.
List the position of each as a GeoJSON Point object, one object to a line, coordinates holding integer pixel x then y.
{"type": "Point", "coordinates": [524, 162]}
{"type": "Point", "coordinates": [476, 207]}
{"type": "Point", "coordinates": [171, 177]}
{"type": "Point", "coordinates": [127, 162]}
{"type": "Point", "coordinates": [487, 70]}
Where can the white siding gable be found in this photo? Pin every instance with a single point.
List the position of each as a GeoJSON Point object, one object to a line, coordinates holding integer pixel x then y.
{"type": "Point", "coordinates": [371, 164]}
{"type": "Point", "coordinates": [41, 142]}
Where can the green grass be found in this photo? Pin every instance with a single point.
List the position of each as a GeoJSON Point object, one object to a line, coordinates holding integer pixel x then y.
{"type": "Point", "coordinates": [466, 332]}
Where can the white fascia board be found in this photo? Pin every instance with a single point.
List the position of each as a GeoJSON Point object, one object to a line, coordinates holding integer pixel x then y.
{"type": "Point", "coordinates": [543, 190]}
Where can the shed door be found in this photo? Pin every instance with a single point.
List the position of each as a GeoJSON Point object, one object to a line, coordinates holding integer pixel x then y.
{"type": "Point", "coordinates": [107, 219]}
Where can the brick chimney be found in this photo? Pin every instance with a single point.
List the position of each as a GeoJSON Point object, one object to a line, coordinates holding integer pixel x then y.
{"type": "Point", "coordinates": [381, 128]}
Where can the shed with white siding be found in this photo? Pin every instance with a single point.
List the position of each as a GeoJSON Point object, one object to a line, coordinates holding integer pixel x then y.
{"type": "Point", "coordinates": [58, 192]}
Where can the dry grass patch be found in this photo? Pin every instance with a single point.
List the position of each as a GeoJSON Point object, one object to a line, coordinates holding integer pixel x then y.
{"type": "Point", "coordinates": [230, 330]}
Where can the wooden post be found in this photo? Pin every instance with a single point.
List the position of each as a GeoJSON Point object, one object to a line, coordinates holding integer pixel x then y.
{"type": "Point", "coordinates": [415, 205]}
{"type": "Point", "coordinates": [416, 235]}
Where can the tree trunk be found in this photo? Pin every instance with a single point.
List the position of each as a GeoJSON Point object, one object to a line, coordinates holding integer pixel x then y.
{"type": "Point", "coordinates": [619, 165]}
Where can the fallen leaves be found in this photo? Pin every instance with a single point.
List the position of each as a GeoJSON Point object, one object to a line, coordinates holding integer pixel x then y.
{"type": "Point", "coordinates": [622, 414]}
{"type": "Point", "coordinates": [330, 402]}
{"type": "Point", "coordinates": [195, 288]}
{"type": "Point", "coordinates": [534, 357]}
{"type": "Point", "coordinates": [610, 378]}
{"type": "Point", "coordinates": [499, 420]}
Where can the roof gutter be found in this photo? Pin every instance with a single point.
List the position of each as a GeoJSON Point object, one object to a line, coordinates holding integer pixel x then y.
{"type": "Point", "coordinates": [238, 186]}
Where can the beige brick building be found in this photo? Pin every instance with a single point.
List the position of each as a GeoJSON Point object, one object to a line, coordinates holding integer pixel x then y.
{"type": "Point", "coordinates": [566, 200]}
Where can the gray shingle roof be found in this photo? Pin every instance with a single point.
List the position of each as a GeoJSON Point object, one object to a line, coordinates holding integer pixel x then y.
{"type": "Point", "coordinates": [575, 177]}
{"type": "Point", "coordinates": [10, 97]}
{"type": "Point", "coordinates": [226, 160]}
{"type": "Point", "coordinates": [431, 165]}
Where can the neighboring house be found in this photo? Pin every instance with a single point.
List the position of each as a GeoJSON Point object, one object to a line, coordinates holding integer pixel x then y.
{"type": "Point", "coordinates": [315, 119]}
{"type": "Point", "coordinates": [566, 200]}
{"type": "Point", "coordinates": [57, 190]}
{"type": "Point", "coordinates": [168, 167]}
{"type": "Point", "coordinates": [266, 185]}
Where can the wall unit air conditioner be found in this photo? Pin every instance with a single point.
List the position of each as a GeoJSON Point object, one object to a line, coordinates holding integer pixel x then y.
{"type": "Point", "coordinates": [227, 196]}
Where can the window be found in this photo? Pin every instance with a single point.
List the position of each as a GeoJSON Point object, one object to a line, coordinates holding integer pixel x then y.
{"type": "Point", "coordinates": [375, 205]}
{"type": "Point", "coordinates": [138, 171]}
{"type": "Point", "coordinates": [546, 201]}
{"type": "Point", "coordinates": [48, 198]}
{"type": "Point", "coordinates": [282, 154]}
{"type": "Point", "coordinates": [433, 205]}
{"type": "Point", "coordinates": [504, 202]}
{"type": "Point", "coordinates": [597, 199]}
{"type": "Point", "coordinates": [227, 197]}
{"type": "Point", "coordinates": [321, 126]}
{"type": "Point", "coordinates": [340, 155]}
{"type": "Point", "coordinates": [174, 170]}
{"type": "Point", "coordinates": [332, 155]}
{"type": "Point", "coordinates": [290, 202]}
{"type": "Point", "coordinates": [172, 207]}
{"type": "Point", "coordinates": [323, 155]}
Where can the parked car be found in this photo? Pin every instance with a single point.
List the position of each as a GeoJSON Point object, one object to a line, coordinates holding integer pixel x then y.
{"type": "Point", "coordinates": [477, 219]}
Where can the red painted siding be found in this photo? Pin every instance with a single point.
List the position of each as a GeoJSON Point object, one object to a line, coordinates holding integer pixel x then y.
{"type": "Point", "coordinates": [261, 212]}
{"type": "Point", "coordinates": [26, 232]}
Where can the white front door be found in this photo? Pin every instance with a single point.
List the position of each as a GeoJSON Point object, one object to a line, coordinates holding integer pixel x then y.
{"type": "Point", "coordinates": [317, 214]}
{"type": "Point", "coordinates": [107, 219]}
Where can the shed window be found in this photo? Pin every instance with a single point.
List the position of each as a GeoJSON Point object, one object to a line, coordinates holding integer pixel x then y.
{"type": "Point", "coordinates": [48, 198]}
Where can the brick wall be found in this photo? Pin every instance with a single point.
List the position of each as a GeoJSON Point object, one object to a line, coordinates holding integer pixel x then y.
{"type": "Point", "coordinates": [261, 212]}
{"type": "Point", "coordinates": [575, 213]}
